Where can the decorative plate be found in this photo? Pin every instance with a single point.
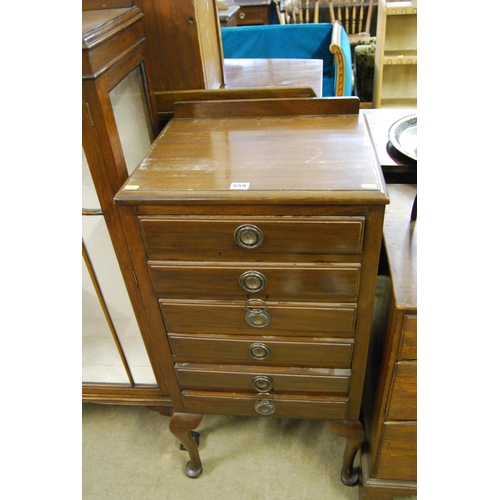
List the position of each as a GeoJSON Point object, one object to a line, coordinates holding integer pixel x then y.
{"type": "Point", "coordinates": [403, 136]}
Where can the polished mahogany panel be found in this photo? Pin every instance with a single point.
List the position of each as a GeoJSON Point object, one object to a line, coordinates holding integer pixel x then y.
{"type": "Point", "coordinates": [286, 318]}
{"type": "Point", "coordinates": [164, 236]}
{"type": "Point", "coordinates": [234, 378]}
{"type": "Point", "coordinates": [262, 158]}
{"type": "Point", "coordinates": [282, 351]}
{"type": "Point", "coordinates": [319, 407]}
{"type": "Point", "coordinates": [311, 282]}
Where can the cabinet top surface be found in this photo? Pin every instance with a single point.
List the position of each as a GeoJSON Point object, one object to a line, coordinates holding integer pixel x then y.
{"type": "Point", "coordinates": [98, 24]}
{"type": "Point", "coordinates": [276, 159]}
{"type": "Point", "coordinates": [400, 238]}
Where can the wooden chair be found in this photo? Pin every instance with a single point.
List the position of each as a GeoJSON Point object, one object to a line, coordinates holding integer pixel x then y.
{"type": "Point", "coordinates": [359, 25]}
{"type": "Point", "coordinates": [354, 15]}
{"type": "Point", "coordinates": [298, 11]}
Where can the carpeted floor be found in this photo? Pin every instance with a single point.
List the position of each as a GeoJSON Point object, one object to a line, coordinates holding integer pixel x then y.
{"type": "Point", "coordinates": [130, 454]}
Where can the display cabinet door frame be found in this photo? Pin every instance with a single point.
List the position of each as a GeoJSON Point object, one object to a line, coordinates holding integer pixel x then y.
{"type": "Point", "coordinates": [112, 61]}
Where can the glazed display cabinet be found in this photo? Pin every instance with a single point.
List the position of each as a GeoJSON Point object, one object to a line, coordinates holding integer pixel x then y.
{"type": "Point", "coordinates": [121, 360]}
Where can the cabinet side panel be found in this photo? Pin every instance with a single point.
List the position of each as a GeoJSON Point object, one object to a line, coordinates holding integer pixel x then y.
{"type": "Point", "coordinates": [175, 55]}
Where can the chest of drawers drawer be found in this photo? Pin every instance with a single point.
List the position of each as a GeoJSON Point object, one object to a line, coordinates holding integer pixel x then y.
{"type": "Point", "coordinates": [239, 318]}
{"type": "Point", "coordinates": [254, 14]}
{"type": "Point", "coordinates": [279, 405]}
{"type": "Point", "coordinates": [409, 337]}
{"type": "Point", "coordinates": [403, 398]}
{"type": "Point", "coordinates": [398, 452]}
{"type": "Point", "coordinates": [272, 351]}
{"type": "Point", "coordinates": [263, 379]}
{"type": "Point", "coordinates": [329, 283]}
{"type": "Point", "coordinates": [251, 238]}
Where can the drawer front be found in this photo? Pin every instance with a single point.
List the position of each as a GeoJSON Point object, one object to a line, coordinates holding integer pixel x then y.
{"type": "Point", "coordinates": [403, 400]}
{"type": "Point", "coordinates": [242, 318]}
{"type": "Point", "coordinates": [409, 341]}
{"type": "Point", "coordinates": [301, 283]}
{"type": "Point", "coordinates": [257, 14]}
{"type": "Point", "coordinates": [189, 238]}
{"type": "Point", "coordinates": [398, 453]}
{"type": "Point", "coordinates": [300, 406]}
{"type": "Point", "coordinates": [262, 379]}
{"type": "Point", "coordinates": [275, 352]}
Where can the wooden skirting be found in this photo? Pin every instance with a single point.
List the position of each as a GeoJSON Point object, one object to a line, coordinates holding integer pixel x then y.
{"type": "Point", "coordinates": [158, 404]}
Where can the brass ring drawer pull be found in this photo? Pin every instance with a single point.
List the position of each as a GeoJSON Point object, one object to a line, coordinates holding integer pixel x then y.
{"type": "Point", "coordinates": [259, 351]}
{"type": "Point", "coordinates": [253, 281]}
{"type": "Point", "coordinates": [257, 315]}
{"type": "Point", "coordinates": [262, 383]}
{"type": "Point", "coordinates": [248, 236]}
{"type": "Point", "coordinates": [264, 406]}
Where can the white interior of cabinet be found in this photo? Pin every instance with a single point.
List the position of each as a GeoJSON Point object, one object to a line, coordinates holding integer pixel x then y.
{"type": "Point", "coordinates": [101, 360]}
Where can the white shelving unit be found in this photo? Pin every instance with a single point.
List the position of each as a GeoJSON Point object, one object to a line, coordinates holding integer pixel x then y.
{"type": "Point", "coordinates": [395, 78]}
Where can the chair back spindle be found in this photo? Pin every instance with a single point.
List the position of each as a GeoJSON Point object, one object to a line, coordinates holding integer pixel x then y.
{"type": "Point", "coordinates": [346, 18]}
{"type": "Point", "coordinates": [330, 8]}
{"type": "Point", "coordinates": [354, 15]}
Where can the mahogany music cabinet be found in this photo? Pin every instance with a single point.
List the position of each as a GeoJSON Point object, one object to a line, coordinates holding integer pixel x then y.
{"type": "Point", "coordinates": [256, 229]}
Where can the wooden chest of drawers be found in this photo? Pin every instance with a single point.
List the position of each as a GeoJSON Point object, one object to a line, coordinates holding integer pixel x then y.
{"type": "Point", "coordinates": [256, 228]}
{"type": "Point", "coordinates": [389, 455]}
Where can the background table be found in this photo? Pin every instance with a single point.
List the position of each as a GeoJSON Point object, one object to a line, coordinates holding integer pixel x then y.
{"type": "Point", "coordinates": [274, 73]}
{"type": "Point", "coordinates": [396, 167]}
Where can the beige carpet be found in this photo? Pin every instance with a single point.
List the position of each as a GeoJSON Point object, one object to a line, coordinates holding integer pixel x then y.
{"type": "Point", "coordinates": [130, 454]}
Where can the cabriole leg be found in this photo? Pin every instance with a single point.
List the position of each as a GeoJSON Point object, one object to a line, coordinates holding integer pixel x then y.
{"type": "Point", "coordinates": [355, 434]}
{"type": "Point", "coordinates": [181, 426]}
